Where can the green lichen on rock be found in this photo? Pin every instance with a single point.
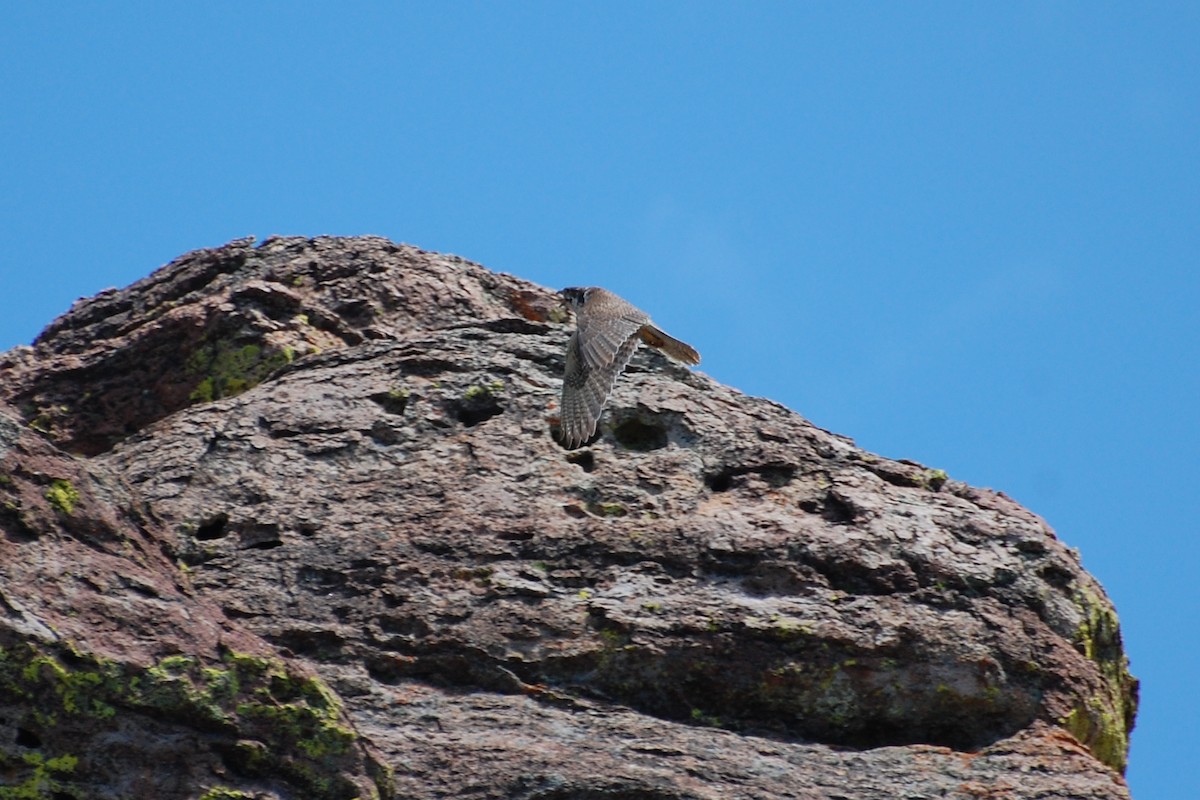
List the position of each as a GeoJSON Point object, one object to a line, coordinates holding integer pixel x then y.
{"type": "Point", "coordinates": [223, 369]}
{"type": "Point", "coordinates": [44, 778]}
{"type": "Point", "coordinates": [934, 479]}
{"type": "Point", "coordinates": [1093, 724]}
{"type": "Point", "coordinates": [62, 496]}
{"type": "Point", "coordinates": [483, 391]}
{"type": "Point", "coordinates": [225, 793]}
{"type": "Point", "coordinates": [1103, 721]}
{"type": "Point", "coordinates": [603, 509]}
{"type": "Point", "coordinates": [286, 724]}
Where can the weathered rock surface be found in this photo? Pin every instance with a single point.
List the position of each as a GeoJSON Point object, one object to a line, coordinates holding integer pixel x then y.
{"type": "Point", "coordinates": [290, 520]}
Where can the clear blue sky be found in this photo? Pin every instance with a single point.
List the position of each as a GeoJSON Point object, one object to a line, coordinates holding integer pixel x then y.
{"type": "Point", "coordinates": [963, 233]}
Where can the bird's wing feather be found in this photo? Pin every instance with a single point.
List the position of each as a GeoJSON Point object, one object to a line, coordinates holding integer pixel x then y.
{"type": "Point", "coordinates": [604, 332]}
{"type": "Point", "coordinates": [586, 388]}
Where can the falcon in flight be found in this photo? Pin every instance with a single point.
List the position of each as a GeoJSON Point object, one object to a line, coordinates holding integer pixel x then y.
{"type": "Point", "coordinates": [607, 331]}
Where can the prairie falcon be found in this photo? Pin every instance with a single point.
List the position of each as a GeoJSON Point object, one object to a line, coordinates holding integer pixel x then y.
{"type": "Point", "coordinates": [607, 332]}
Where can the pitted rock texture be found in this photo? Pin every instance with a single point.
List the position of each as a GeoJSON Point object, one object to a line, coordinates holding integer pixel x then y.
{"type": "Point", "coordinates": [333, 461]}
{"type": "Point", "coordinates": [215, 322]}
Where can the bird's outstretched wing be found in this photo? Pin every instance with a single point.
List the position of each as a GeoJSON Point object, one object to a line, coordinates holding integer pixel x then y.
{"type": "Point", "coordinates": [588, 381]}
{"type": "Point", "coordinates": [605, 326]}
{"type": "Point", "coordinates": [607, 332]}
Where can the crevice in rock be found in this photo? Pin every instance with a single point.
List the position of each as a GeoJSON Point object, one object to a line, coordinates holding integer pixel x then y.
{"type": "Point", "coordinates": [783, 578]}
{"type": "Point", "coordinates": [427, 366]}
{"type": "Point", "coordinates": [505, 325]}
{"type": "Point", "coordinates": [843, 573]}
{"type": "Point", "coordinates": [266, 544]}
{"type": "Point", "coordinates": [556, 788]}
{"type": "Point", "coordinates": [321, 578]}
{"type": "Point", "coordinates": [323, 645]}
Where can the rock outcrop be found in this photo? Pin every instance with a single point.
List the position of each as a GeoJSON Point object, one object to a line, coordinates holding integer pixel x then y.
{"type": "Point", "coordinates": [290, 521]}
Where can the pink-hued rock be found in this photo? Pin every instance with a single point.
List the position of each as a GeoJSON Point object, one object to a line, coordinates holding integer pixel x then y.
{"type": "Point", "coordinates": [319, 507]}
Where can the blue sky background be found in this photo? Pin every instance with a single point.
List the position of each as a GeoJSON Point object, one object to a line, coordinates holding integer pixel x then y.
{"type": "Point", "coordinates": [962, 233]}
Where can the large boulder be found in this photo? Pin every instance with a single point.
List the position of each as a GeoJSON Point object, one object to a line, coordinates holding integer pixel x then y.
{"type": "Point", "coordinates": [291, 520]}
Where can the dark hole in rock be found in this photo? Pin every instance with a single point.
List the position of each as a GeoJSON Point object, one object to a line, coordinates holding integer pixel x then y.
{"type": "Point", "coordinates": [213, 528]}
{"type": "Point", "coordinates": [832, 508]}
{"type": "Point", "coordinates": [635, 434]}
{"type": "Point", "coordinates": [427, 367]}
{"type": "Point", "coordinates": [27, 738]}
{"type": "Point", "coordinates": [774, 475]}
{"type": "Point", "coordinates": [837, 509]}
{"type": "Point", "coordinates": [357, 311]}
{"type": "Point", "coordinates": [720, 482]}
{"type": "Point", "coordinates": [14, 524]}
{"type": "Point", "coordinates": [585, 459]}
{"type": "Point", "coordinates": [268, 544]}
{"type": "Point", "coordinates": [394, 401]}
{"type": "Point", "coordinates": [777, 475]}
{"type": "Point", "coordinates": [1056, 576]}
{"type": "Point", "coordinates": [259, 535]}
{"type": "Point", "coordinates": [474, 409]}
{"type": "Point", "coordinates": [322, 644]}
{"type": "Point", "coordinates": [1030, 547]}
{"type": "Point", "coordinates": [573, 510]}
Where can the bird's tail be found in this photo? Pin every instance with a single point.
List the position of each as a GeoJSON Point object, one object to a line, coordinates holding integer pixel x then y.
{"type": "Point", "coordinates": [676, 349]}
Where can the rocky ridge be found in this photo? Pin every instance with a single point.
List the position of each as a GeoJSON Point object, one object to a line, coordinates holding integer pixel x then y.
{"type": "Point", "coordinates": [290, 520]}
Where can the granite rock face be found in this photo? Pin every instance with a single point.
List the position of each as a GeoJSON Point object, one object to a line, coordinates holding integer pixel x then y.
{"type": "Point", "coordinates": [290, 520]}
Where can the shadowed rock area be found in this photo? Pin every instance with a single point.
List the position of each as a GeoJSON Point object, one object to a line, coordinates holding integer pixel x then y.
{"type": "Point", "coordinates": [290, 521]}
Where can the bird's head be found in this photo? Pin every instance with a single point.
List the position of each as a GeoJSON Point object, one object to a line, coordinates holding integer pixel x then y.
{"type": "Point", "coordinates": [575, 296]}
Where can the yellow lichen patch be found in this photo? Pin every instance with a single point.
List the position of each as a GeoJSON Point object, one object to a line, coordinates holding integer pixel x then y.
{"type": "Point", "coordinates": [46, 776]}
{"type": "Point", "coordinates": [483, 391]}
{"type": "Point", "coordinates": [292, 723]}
{"type": "Point", "coordinates": [62, 496]}
{"type": "Point", "coordinates": [934, 479]}
{"type": "Point", "coordinates": [1102, 722]}
{"type": "Point", "coordinates": [225, 793]}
